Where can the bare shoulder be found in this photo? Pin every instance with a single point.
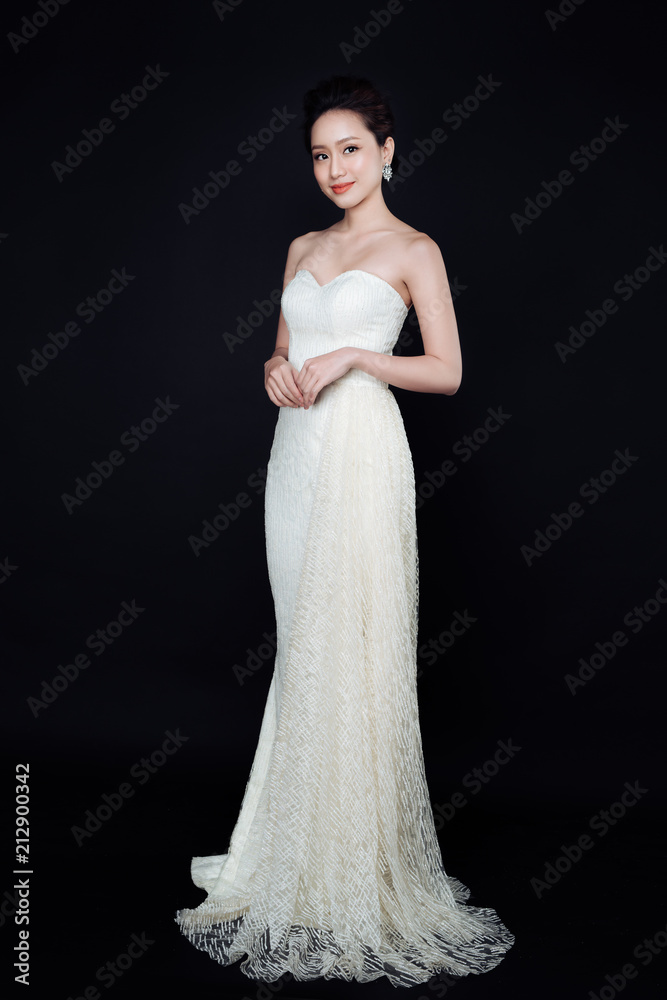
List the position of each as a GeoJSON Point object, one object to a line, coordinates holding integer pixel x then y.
{"type": "Point", "coordinates": [313, 247]}
{"type": "Point", "coordinates": [306, 241]}
{"type": "Point", "coordinates": [423, 261]}
{"type": "Point", "coordinates": [298, 246]}
{"type": "Point", "coordinates": [412, 247]}
{"type": "Point", "coordinates": [422, 249]}
{"type": "Point", "coordinates": [295, 253]}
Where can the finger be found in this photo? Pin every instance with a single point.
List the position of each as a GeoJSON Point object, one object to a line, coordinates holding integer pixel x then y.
{"type": "Point", "coordinates": [295, 380]}
{"type": "Point", "coordinates": [304, 382]}
{"type": "Point", "coordinates": [293, 390]}
{"type": "Point", "coordinates": [288, 394]}
{"type": "Point", "coordinates": [285, 398]}
{"type": "Point", "coordinates": [312, 389]}
{"type": "Point", "coordinates": [283, 392]}
{"type": "Point", "coordinates": [278, 398]}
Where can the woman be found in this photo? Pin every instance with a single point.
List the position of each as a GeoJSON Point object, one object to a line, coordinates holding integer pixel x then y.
{"type": "Point", "coordinates": [334, 868]}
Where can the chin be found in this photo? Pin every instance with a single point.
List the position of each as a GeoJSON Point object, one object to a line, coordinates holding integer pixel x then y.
{"type": "Point", "coordinates": [353, 194]}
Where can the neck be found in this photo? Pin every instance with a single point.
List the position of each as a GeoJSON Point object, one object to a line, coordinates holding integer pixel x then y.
{"type": "Point", "coordinates": [371, 213]}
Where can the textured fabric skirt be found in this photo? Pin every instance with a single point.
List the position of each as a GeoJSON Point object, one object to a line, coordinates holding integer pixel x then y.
{"type": "Point", "coordinates": [334, 868]}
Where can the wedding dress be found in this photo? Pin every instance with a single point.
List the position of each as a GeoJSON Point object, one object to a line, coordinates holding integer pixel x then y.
{"type": "Point", "coordinates": [334, 868]}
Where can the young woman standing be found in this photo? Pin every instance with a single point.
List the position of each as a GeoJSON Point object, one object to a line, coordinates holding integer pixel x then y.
{"type": "Point", "coordinates": [334, 868]}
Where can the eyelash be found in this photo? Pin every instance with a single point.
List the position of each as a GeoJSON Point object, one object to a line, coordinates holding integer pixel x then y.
{"type": "Point", "coordinates": [317, 155]}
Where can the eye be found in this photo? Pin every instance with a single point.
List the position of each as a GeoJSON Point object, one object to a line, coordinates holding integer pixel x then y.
{"type": "Point", "coordinates": [317, 156]}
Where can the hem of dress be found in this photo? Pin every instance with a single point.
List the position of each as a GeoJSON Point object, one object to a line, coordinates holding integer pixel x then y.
{"type": "Point", "coordinates": [307, 951]}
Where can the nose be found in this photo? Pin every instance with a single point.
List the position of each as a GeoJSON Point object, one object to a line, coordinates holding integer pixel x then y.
{"type": "Point", "coordinates": [336, 168]}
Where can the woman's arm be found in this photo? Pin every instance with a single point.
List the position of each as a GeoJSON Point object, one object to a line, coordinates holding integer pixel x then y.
{"type": "Point", "coordinates": [439, 369]}
{"type": "Point", "coordinates": [279, 372]}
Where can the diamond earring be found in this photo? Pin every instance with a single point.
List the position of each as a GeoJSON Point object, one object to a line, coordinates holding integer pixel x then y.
{"type": "Point", "coordinates": [387, 171]}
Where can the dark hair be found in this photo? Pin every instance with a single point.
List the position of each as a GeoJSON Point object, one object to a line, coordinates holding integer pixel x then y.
{"type": "Point", "coordinates": [348, 93]}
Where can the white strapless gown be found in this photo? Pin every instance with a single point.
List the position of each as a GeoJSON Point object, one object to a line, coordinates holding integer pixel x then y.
{"type": "Point", "coordinates": [334, 867]}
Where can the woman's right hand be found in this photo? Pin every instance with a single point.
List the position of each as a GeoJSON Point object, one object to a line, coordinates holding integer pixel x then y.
{"type": "Point", "coordinates": [280, 384]}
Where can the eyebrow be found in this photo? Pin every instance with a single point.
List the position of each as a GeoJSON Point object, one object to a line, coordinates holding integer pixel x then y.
{"type": "Point", "coordinates": [338, 142]}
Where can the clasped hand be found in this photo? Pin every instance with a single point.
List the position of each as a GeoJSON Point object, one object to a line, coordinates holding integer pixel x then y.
{"type": "Point", "coordinates": [287, 386]}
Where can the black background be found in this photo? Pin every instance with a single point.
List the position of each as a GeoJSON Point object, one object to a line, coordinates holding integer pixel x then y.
{"type": "Point", "coordinates": [518, 292]}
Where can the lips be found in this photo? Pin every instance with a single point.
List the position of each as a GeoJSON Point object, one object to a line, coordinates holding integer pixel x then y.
{"type": "Point", "coordinates": [340, 188]}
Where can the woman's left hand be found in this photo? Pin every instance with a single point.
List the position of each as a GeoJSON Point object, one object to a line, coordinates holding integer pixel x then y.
{"type": "Point", "coordinates": [320, 371]}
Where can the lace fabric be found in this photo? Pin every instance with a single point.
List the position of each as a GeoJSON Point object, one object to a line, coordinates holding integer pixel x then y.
{"type": "Point", "coordinates": [334, 868]}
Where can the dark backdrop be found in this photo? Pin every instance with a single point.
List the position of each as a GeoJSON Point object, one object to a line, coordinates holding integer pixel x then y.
{"type": "Point", "coordinates": [124, 308]}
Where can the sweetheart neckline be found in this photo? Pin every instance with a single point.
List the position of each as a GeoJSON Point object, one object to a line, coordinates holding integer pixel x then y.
{"type": "Point", "coordinates": [352, 270]}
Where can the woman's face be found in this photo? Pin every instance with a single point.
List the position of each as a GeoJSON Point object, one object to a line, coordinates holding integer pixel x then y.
{"type": "Point", "coordinates": [347, 161]}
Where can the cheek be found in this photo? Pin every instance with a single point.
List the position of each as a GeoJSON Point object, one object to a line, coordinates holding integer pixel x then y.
{"type": "Point", "coordinates": [364, 164]}
{"type": "Point", "coordinates": [322, 178]}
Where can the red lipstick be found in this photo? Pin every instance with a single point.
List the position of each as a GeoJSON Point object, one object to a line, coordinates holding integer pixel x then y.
{"type": "Point", "coordinates": [340, 188]}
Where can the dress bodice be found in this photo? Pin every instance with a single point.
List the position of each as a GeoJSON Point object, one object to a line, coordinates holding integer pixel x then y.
{"type": "Point", "coordinates": [354, 309]}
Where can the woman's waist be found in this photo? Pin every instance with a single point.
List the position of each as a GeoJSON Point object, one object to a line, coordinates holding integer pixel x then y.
{"type": "Point", "coordinates": [353, 376]}
{"type": "Point", "coordinates": [356, 377]}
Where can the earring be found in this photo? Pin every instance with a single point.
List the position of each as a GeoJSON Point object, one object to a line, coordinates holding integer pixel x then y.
{"type": "Point", "coordinates": [387, 171]}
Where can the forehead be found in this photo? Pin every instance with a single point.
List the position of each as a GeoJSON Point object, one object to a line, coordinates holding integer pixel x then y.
{"type": "Point", "coordinates": [334, 126]}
